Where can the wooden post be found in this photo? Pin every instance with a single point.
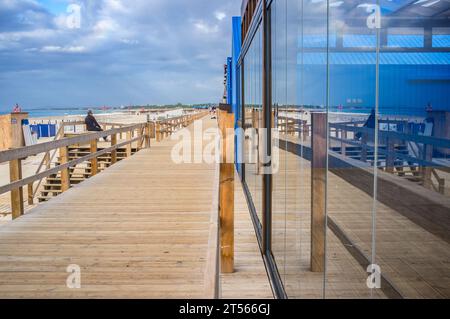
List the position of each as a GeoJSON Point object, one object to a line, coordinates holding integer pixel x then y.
{"type": "Point", "coordinates": [364, 139]}
{"type": "Point", "coordinates": [318, 190]}
{"type": "Point", "coordinates": [343, 145]}
{"type": "Point", "coordinates": [255, 124]}
{"type": "Point", "coordinates": [226, 192]}
{"type": "Point", "coordinates": [47, 160]}
{"type": "Point", "coordinates": [390, 156]}
{"type": "Point", "coordinates": [158, 131]}
{"type": "Point", "coordinates": [114, 152]}
{"type": "Point", "coordinates": [94, 161]}
{"type": "Point", "coordinates": [129, 144]}
{"type": "Point", "coordinates": [30, 194]}
{"type": "Point", "coordinates": [148, 130]}
{"type": "Point", "coordinates": [15, 174]}
{"type": "Point", "coordinates": [65, 174]}
{"type": "Point", "coordinates": [426, 169]}
{"type": "Point", "coordinates": [152, 130]}
{"type": "Point", "coordinates": [140, 135]}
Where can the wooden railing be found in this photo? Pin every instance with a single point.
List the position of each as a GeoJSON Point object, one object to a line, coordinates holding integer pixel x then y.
{"type": "Point", "coordinates": [15, 157]}
{"type": "Point", "coordinates": [345, 134]}
{"type": "Point", "coordinates": [423, 157]}
{"type": "Point", "coordinates": [141, 134]}
{"type": "Point", "coordinates": [164, 128]}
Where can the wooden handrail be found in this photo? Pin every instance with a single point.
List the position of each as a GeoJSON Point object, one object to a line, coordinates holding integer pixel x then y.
{"type": "Point", "coordinates": [23, 152]}
{"type": "Point", "coordinates": [59, 135]}
{"type": "Point", "coordinates": [436, 142]}
{"type": "Point", "coordinates": [23, 182]}
{"type": "Point", "coordinates": [15, 156]}
{"type": "Point", "coordinates": [164, 128]}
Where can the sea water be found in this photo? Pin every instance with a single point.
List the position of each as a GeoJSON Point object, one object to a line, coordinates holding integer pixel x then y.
{"type": "Point", "coordinates": [43, 112]}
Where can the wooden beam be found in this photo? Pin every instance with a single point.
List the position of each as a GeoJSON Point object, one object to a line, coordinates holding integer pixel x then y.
{"type": "Point", "coordinates": [114, 152]}
{"type": "Point", "coordinates": [390, 156]}
{"type": "Point", "coordinates": [152, 130]}
{"type": "Point", "coordinates": [23, 152]}
{"type": "Point", "coordinates": [343, 144]}
{"type": "Point", "coordinates": [147, 135]}
{"type": "Point", "coordinates": [364, 140]}
{"type": "Point", "coordinates": [426, 169]}
{"type": "Point", "coordinates": [94, 161]}
{"type": "Point", "coordinates": [140, 135]}
{"type": "Point", "coordinates": [47, 160]}
{"type": "Point", "coordinates": [158, 131]}
{"type": "Point", "coordinates": [30, 194]}
{"type": "Point", "coordinates": [65, 174]}
{"type": "Point", "coordinates": [226, 192]}
{"type": "Point", "coordinates": [129, 145]}
{"type": "Point", "coordinates": [15, 174]}
{"type": "Point", "coordinates": [318, 190]}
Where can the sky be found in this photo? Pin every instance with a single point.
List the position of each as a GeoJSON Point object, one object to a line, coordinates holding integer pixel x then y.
{"type": "Point", "coordinates": [64, 53]}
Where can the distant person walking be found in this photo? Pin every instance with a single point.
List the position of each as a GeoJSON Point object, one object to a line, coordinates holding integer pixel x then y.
{"type": "Point", "coordinates": [17, 109]}
{"type": "Point", "coordinates": [92, 124]}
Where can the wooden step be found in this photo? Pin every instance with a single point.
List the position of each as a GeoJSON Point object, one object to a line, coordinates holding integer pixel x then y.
{"type": "Point", "coordinates": [72, 179]}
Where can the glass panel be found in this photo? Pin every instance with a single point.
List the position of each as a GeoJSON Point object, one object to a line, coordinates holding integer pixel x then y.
{"type": "Point", "coordinates": [441, 37]}
{"type": "Point", "coordinates": [380, 71]}
{"type": "Point", "coordinates": [279, 66]}
{"type": "Point", "coordinates": [297, 281]}
{"type": "Point", "coordinates": [253, 119]}
{"type": "Point", "coordinates": [312, 90]}
{"type": "Point", "coordinates": [352, 110]}
{"type": "Point", "coordinates": [412, 246]}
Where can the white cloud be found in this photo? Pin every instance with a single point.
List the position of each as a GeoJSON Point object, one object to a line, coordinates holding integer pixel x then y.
{"type": "Point", "coordinates": [164, 46]}
{"type": "Point", "coordinates": [66, 49]}
{"type": "Point", "coordinates": [220, 15]}
{"type": "Point", "coordinates": [205, 28]}
{"type": "Point", "coordinates": [105, 25]}
{"type": "Point", "coordinates": [129, 41]}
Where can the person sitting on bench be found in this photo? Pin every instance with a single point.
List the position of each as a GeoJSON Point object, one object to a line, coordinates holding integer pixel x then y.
{"type": "Point", "coordinates": [92, 124]}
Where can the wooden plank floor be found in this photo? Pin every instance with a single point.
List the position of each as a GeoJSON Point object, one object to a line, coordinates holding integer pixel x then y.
{"type": "Point", "coordinates": [137, 230]}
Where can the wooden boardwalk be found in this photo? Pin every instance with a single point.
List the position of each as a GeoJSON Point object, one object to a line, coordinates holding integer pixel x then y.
{"type": "Point", "coordinates": [137, 230]}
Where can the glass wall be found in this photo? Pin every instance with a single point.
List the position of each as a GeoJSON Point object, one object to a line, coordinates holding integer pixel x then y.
{"type": "Point", "coordinates": [352, 73]}
{"type": "Point", "coordinates": [253, 119]}
{"type": "Point", "coordinates": [379, 72]}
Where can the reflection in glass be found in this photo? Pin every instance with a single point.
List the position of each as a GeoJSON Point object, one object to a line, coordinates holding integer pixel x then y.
{"type": "Point", "coordinates": [380, 70]}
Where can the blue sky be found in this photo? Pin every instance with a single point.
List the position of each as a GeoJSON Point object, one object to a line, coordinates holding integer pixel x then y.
{"type": "Point", "coordinates": [124, 52]}
{"type": "Point", "coordinates": [55, 6]}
